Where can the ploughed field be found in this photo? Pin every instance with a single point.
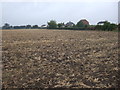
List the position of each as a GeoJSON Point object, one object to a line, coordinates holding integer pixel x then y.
{"type": "Point", "coordinates": [59, 58]}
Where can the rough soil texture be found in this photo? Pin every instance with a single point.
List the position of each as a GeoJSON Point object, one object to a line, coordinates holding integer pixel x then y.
{"type": "Point", "coordinates": [59, 58]}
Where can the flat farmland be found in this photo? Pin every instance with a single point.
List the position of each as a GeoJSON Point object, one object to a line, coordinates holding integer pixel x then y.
{"type": "Point", "coordinates": [59, 58]}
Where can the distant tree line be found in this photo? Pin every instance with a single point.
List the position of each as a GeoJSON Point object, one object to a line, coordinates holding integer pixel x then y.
{"type": "Point", "coordinates": [7, 26]}
{"type": "Point", "coordinates": [81, 25]}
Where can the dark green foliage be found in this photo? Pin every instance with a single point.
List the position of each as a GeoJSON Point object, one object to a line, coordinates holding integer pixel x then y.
{"type": "Point", "coordinates": [112, 27]}
{"type": "Point", "coordinates": [52, 24]}
{"type": "Point", "coordinates": [35, 26]}
{"type": "Point", "coordinates": [103, 25]}
{"type": "Point", "coordinates": [60, 25]}
{"type": "Point", "coordinates": [107, 26]}
{"type": "Point", "coordinates": [91, 27]}
{"type": "Point", "coordinates": [19, 27]}
{"type": "Point", "coordinates": [28, 26]}
{"type": "Point", "coordinates": [98, 27]}
{"type": "Point", "coordinates": [6, 26]}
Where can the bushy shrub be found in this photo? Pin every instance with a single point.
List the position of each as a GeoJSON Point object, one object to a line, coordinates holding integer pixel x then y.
{"type": "Point", "coordinates": [52, 24]}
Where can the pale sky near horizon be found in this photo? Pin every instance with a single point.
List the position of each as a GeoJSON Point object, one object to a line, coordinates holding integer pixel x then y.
{"type": "Point", "coordinates": [23, 13]}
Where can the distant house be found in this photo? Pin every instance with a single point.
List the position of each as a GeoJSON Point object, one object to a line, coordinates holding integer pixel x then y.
{"type": "Point", "coordinates": [69, 24]}
{"type": "Point", "coordinates": [43, 26]}
{"type": "Point", "coordinates": [84, 21]}
{"type": "Point", "coordinates": [101, 22]}
{"type": "Point", "coordinates": [6, 26]}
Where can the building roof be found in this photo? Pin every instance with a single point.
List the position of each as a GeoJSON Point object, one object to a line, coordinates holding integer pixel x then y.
{"type": "Point", "coordinates": [101, 22]}
{"type": "Point", "coordinates": [84, 21]}
{"type": "Point", "coordinates": [70, 23]}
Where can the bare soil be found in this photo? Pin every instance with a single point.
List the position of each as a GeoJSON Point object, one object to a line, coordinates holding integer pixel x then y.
{"type": "Point", "coordinates": [59, 58]}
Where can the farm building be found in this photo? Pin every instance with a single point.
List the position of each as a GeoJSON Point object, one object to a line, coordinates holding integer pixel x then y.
{"type": "Point", "coordinates": [101, 23]}
{"type": "Point", "coordinates": [69, 24]}
{"type": "Point", "coordinates": [84, 21]}
{"type": "Point", "coordinates": [43, 26]}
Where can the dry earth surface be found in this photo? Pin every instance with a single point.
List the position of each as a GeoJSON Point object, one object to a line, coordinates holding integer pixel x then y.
{"type": "Point", "coordinates": [59, 58]}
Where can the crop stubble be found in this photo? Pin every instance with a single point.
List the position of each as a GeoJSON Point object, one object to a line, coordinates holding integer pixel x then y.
{"type": "Point", "coordinates": [59, 58]}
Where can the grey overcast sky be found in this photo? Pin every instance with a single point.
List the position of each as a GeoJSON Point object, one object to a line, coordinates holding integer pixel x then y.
{"type": "Point", "coordinates": [22, 13]}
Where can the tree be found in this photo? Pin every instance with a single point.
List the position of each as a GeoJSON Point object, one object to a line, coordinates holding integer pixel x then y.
{"type": "Point", "coordinates": [60, 25]}
{"type": "Point", "coordinates": [107, 26]}
{"type": "Point", "coordinates": [52, 24]}
{"type": "Point", "coordinates": [16, 27]}
{"type": "Point", "coordinates": [6, 26]}
{"type": "Point", "coordinates": [113, 26]}
{"type": "Point", "coordinates": [35, 26]}
{"type": "Point", "coordinates": [28, 26]}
